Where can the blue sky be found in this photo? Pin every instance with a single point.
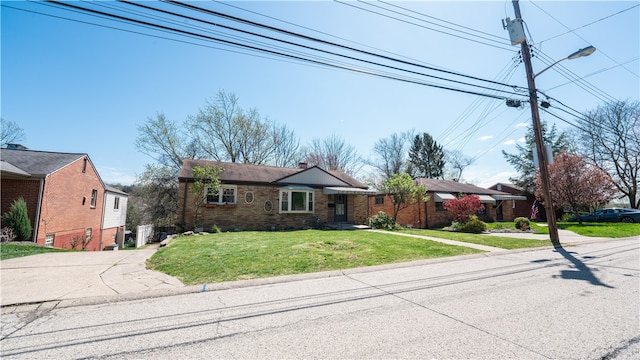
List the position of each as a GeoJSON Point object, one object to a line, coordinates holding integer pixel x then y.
{"type": "Point", "coordinates": [77, 87]}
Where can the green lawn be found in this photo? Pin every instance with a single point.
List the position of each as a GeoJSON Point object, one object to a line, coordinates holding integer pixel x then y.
{"type": "Point", "coordinates": [247, 255]}
{"type": "Point", "coordinates": [608, 230]}
{"type": "Point", "coordinates": [496, 241]}
{"type": "Point", "coordinates": [10, 251]}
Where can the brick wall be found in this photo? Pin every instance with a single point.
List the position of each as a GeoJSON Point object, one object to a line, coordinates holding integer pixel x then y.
{"type": "Point", "coordinates": [66, 206]}
{"type": "Point", "coordinates": [13, 189]}
{"type": "Point", "coordinates": [262, 213]}
{"type": "Point", "coordinates": [423, 215]}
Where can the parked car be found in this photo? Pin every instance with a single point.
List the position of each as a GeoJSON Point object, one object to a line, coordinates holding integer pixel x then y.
{"type": "Point", "coordinates": [611, 215]}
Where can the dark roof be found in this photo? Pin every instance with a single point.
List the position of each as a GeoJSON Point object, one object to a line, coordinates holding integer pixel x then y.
{"type": "Point", "coordinates": [449, 186]}
{"type": "Point", "coordinates": [265, 174]}
{"type": "Point", "coordinates": [38, 163]}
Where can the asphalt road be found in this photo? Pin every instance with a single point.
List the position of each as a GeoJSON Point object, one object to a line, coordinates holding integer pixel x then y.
{"type": "Point", "coordinates": [581, 302]}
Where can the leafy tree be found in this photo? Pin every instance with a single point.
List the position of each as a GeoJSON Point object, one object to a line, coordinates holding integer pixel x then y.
{"type": "Point", "coordinates": [523, 160]}
{"type": "Point", "coordinates": [333, 153]}
{"type": "Point", "coordinates": [17, 218]}
{"type": "Point", "coordinates": [404, 192]}
{"type": "Point", "coordinates": [426, 158]}
{"type": "Point", "coordinates": [10, 132]}
{"type": "Point", "coordinates": [390, 154]}
{"type": "Point", "coordinates": [462, 208]}
{"type": "Point", "coordinates": [206, 179]}
{"type": "Point", "coordinates": [609, 136]}
{"type": "Point", "coordinates": [158, 194]}
{"type": "Point", "coordinates": [577, 184]}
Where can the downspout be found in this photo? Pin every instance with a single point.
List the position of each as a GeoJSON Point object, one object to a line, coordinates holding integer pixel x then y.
{"type": "Point", "coordinates": [184, 205]}
{"type": "Point", "coordinates": [104, 210]}
{"type": "Point", "coordinates": [38, 210]}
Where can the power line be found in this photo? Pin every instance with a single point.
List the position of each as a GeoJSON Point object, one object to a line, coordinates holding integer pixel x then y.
{"type": "Point", "coordinates": [271, 52]}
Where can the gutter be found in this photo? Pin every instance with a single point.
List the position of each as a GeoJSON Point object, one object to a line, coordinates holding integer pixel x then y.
{"type": "Point", "coordinates": [38, 210]}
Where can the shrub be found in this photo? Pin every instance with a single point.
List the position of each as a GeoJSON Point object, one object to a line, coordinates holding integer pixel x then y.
{"type": "Point", "coordinates": [473, 226]}
{"type": "Point", "coordinates": [382, 221]}
{"type": "Point", "coordinates": [18, 220]}
{"type": "Point", "coordinates": [522, 223]}
{"type": "Point", "coordinates": [462, 208]}
{"type": "Point", "coordinates": [215, 229]}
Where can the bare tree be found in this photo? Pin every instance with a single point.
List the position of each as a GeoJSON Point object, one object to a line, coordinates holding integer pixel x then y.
{"type": "Point", "coordinates": [456, 162]}
{"type": "Point", "coordinates": [10, 132]}
{"type": "Point", "coordinates": [333, 153]}
{"type": "Point", "coordinates": [610, 137]}
{"type": "Point", "coordinates": [165, 141]}
{"type": "Point", "coordinates": [226, 132]}
{"type": "Point", "coordinates": [390, 154]}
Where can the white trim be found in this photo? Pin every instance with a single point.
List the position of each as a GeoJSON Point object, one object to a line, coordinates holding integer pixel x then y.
{"type": "Point", "coordinates": [442, 197]}
{"type": "Point", "coordinates": [486, 199]}
{"type": "Point", "coordinates": [332, 190]}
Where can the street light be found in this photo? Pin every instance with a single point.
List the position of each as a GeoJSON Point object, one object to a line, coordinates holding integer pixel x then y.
{"type": "Point", "coordinates": [516, 33]}
{"type": "Point", "coordinates": [580, 53]}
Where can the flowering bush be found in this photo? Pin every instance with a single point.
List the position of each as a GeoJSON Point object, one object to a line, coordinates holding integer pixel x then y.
{"type": "Point", "coordinates": [462, 208]}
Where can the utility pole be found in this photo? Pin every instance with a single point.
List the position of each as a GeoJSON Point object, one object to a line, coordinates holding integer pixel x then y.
{"type": "Point", "coordinates": [537, 129]}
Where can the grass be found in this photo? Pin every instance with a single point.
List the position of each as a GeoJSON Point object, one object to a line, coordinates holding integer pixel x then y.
{"type": "Point", "coordinates": [247, 255]}
{"type": "Point", "coordinates": [495, 241]}
{"type": "Point", "coordinates": [10, 251]}
{"type": "Point", "coordinates": [606, 230]}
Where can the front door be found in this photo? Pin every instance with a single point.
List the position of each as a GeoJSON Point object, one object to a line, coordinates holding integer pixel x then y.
{"type": "Point", "coordinates": [341, 208]}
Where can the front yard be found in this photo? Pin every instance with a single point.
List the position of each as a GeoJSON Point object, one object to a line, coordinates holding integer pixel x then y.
{"type": "Point", "coordinates": [247, 255]}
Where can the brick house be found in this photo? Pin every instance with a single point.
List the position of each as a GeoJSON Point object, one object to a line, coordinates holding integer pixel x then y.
{"type": "Point", "coordinates": [66, 198]}
{"type": "Point", "coordinates": [432, 214]}
{"type": "Point", "coordinates": [259, 197]}
{"type": "Point", "coordinates": [520, 208]}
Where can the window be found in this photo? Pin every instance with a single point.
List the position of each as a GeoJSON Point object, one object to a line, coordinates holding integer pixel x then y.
{"type": "Point", "coordinates": [116, 203]}
{"type": "Point", "coordinates": [48, 240]}
{"type": "Point", "coordinates": [94, 197]}
{"type": "Point", "coordinates": [379, 200]}
{"type": "Point", "coordinates": [440, 206]}
{"type": "Point", "coordinates": [225, 194]}
{"type": "Point", "coordinates": [300, 201]}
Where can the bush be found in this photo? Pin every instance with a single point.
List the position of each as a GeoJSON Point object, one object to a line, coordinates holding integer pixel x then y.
{"type": "Point", "coordinates": [382, 221]}
{"type": "Point", "coordinates": [18, 220]}
{"type": "Point", "coordinates": [522, 223]}
{"type": "Point", "coordinates": [473, 226]}
{"type": "Point", "coordinates": [215, 229]}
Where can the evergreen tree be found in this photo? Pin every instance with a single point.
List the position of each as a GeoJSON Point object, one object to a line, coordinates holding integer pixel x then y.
{"type": "Point", "coordinates": [523, 160]}
{"type": "Point", "coordinates": [426, 158]}
{"type": "Point", "coordinates": [18, 220]}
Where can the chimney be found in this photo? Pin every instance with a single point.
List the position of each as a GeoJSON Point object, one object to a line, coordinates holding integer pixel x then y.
{"type": "Point", "coordinates": [16, 147]}
{"type": "Point", "coordinates": [302, 165]}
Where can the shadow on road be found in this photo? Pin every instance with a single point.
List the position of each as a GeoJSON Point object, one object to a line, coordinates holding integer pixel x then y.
{"type": "Point", "coordinates": [582, 272]}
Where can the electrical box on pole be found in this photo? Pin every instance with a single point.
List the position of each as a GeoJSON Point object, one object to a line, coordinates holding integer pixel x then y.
{"type": "Point", "coordinates": [515, 29]}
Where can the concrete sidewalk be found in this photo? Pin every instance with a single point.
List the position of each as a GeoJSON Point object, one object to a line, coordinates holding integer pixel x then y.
{"type": "Point", "coordinates": [70, 275]}
{"type": "Point", "coordinates": [104, 276]}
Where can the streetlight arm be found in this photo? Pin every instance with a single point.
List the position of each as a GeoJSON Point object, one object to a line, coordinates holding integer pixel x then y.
{"type": "Point", "coordinates": [548, 67]}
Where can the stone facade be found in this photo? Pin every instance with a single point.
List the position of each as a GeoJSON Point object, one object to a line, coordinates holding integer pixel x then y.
{"type": "Point", "coordinates": [257, 208]}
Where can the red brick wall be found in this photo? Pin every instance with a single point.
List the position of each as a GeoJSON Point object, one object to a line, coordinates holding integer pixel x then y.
{"type": "Point", "coordinates": [66, 206]}
{"type": "Point", "coordinates": [422, 215]}
{"type": "Point", "coordinates": [13, 189]}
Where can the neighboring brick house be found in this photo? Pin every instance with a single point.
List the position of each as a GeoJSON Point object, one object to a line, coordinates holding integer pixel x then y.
{"type": "Point", "coordinates": [259, 197]}
{"type": "Point", "coordinates": [65, 198]}
{"type": "Point", "coordinates": [432, 214]}
{"type": "Point", "coordinates": [521, 208]}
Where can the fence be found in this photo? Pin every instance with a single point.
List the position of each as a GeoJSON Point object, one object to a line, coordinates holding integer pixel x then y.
{"type": "Point", "coordinates": [143, 233]}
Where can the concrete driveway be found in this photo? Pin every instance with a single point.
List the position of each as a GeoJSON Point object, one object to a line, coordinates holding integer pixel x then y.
{"type": "Point", "coordinates": [72, 275]}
